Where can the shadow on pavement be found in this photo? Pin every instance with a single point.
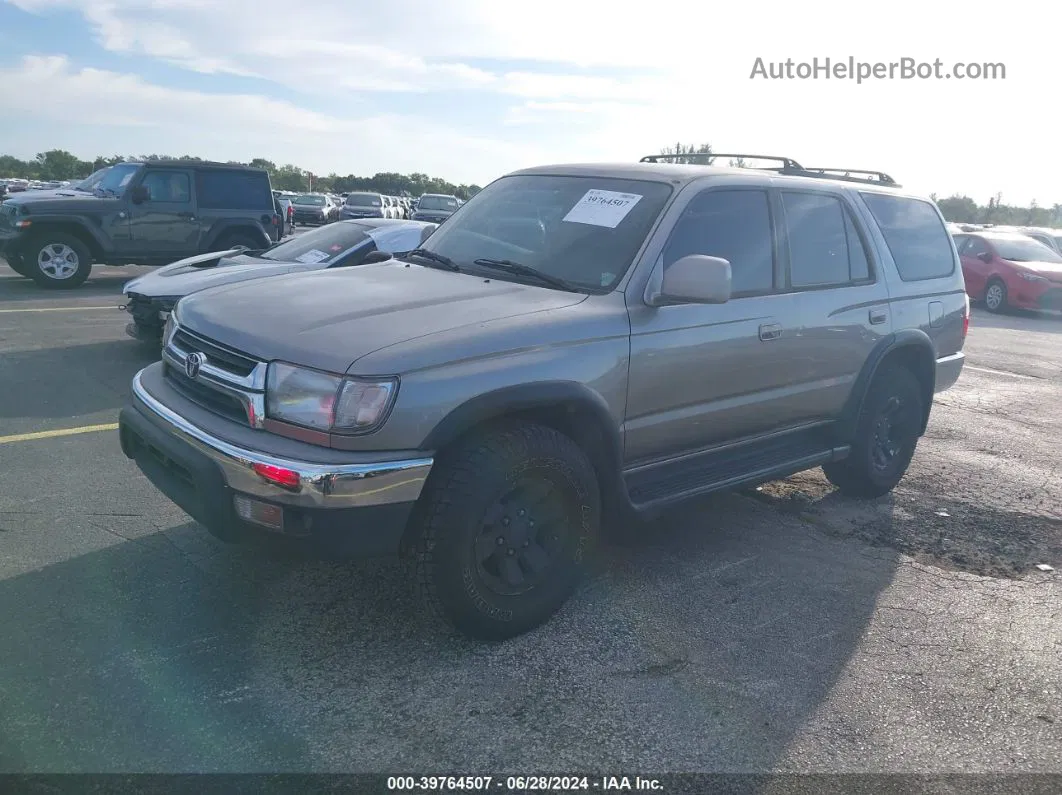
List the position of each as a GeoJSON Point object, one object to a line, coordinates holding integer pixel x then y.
{"type": "Point", "coordinates": [104, 283]}
{"type": "Point", "coordinates": [70, 381]}
{"type": "Point", "coordinates": [703, 648]}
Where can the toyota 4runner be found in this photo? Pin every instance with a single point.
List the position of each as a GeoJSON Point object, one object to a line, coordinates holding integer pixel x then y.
{"type": "Point", "coordinates": [576, 349]}
{"type": "Point", "coordinates": [137, 213]}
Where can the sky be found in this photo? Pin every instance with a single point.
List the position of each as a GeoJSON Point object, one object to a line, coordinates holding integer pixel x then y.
{"type": "Point", "coordinates": [468, 90]}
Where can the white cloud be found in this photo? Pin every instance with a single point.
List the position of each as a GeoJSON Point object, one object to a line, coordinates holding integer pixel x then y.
{"type": "Point", "coordinates": [125, 114]}
{"type": "Point", "coordinates": [588, 79]}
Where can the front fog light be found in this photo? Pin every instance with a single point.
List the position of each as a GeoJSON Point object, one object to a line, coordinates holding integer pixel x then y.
{"type": "Point", "coordinates": [363, 404]}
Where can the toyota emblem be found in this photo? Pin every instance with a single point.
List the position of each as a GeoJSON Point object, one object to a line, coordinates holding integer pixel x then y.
{"type": "Point", "coordinates": [192, 364]}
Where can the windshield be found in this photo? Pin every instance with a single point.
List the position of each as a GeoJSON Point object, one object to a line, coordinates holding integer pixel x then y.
{"type": "Point", "coordinates": [585, 230]}
{"type": "Point", "coordinates": [323, 245]}
{"type": "Point", "coordinates": [437, 203]}
{"type": "Point", "coordinates": [363, 200]}
{"type": "Point", "coordinates": [1025, 251]}
{"type": "Point", "coordinates": [90, 182]}
{"type": "Point", "coordinates": [317, 200]}
{"type": "Point", "coordinates": [116, 179]}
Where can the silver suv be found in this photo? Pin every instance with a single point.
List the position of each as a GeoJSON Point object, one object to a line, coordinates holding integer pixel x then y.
{"type": "Point", "coordinates": [576, 349]}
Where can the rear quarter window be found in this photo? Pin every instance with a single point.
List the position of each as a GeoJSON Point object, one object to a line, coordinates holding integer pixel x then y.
{"type": "Point", "coordinates": [915, 234]}
{"type": "Point", "coordinates": [234, 190]}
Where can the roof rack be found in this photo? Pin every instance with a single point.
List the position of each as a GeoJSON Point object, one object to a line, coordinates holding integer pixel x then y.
{"type": "Point", "coordinates": [789, 167]}
{"type": "Point", "coordinates": [854, 175]}
{"type": "Point", "coordinates": [788, 163]}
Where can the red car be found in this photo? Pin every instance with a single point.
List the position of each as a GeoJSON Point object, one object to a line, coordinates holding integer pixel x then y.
{"type": "Point", "coordinates": [1009, 270]}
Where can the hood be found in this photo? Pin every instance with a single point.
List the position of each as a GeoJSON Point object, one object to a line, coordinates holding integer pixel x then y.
{"type": "Point", "coordinates": [332, 318]}
{"type": "Point", "coordinates": [61, 200]}
{"type": "Point", "coordinates": [1052, 270]}
{"type": "Point", "coordinates": [207, 270]}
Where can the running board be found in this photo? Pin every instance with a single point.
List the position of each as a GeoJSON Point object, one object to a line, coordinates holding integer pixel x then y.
{"type": "Point", "coordinates": [655, 486]}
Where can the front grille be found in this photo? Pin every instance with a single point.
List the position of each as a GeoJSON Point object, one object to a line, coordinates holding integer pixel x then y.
{"type": "Point", "coordinates": [233, 361]}
{"type": "Point", "coordinates": [205, 396]}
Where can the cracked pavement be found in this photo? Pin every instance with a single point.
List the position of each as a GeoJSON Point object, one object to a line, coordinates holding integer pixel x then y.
{"type": "Point", "coordinates": [779, 629]}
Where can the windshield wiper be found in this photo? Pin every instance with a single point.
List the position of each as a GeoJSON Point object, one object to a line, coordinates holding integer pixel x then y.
{"type": "Point", "coordinates": [442, 259]}
{"type": "Point", "coordinates": [520, 269]}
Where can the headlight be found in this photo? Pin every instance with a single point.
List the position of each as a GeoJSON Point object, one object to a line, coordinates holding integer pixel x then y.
{"type": "Point", "coordinates": [168, 329]}
{"type": "Point", "coordinates": [1032, 277]}
{"type": "Point", "coordinates": [327, 402]}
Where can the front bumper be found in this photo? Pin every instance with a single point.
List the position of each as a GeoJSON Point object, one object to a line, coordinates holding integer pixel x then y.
{"type": "Point", "coordinates": [345, 510]}
{"type": "Point", "coordinates": [310, 218]}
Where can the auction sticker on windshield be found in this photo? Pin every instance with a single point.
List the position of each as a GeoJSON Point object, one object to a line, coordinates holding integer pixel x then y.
{"type": "Point", "coordinates": [602, 208]}
{"type": "Point", "coordinates": [312, 257]}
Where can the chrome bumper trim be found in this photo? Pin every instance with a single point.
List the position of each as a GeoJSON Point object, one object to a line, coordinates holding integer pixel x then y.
{"type": "Point", "coordinates": [320, 485]}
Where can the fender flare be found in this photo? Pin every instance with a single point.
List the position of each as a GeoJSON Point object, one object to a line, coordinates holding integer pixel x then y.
{"type": "Point", "coordinates": [218, 230]}
{"type": "Point", "coordinates": [97, 242]}
{"type": "Point", "coordinates": [587, 411]}
{"type": "Point", "coordinates": [908, 341]}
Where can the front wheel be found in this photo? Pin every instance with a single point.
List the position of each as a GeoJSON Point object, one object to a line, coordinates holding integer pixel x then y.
{"type": "Point", "coordinates": [996, 296]}
{"type": "Point", "coordinates": [505, 526]}
{"type": "Point", "coordinates": [58, 261]}
{"type": "Point", "coordinates": [886, 436]}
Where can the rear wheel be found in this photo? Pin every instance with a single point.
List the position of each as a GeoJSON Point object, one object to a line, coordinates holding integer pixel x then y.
{"type": "Point", "coordinates": [886, 436]}
{"type": "Point", "coordinates": [232, 241]}
{"type": "Point", "coordinates": [996, 296]}
{"type": "Point", "coordinates": [505, 527]}
{"type": "Point", "coordinates": [58, 261]}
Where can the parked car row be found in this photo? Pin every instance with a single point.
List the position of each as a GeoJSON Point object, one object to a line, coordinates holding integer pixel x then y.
{"type": "Point", "coordinates": [1011, 267]}
{"type": "Point", "coordinates": [574, 350]}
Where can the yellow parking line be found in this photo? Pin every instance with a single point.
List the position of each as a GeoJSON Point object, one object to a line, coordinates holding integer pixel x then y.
{"type": "Point", "coordinates": [57, 309]}
{"type": "Point", "coordinates": [26, 437]}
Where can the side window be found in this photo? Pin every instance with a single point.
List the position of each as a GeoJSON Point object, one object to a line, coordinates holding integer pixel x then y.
{"type": "Point", "coordinates": [975, 248]}
{"type": "Point", "coordinates": [234, 190]}
{"type": "Point", "coordinates": [824, 246]}
{"type": "Point", "coordinates": [168, 186]}
{"type": "Point", "coordinates": [960, 242]}
{"type": "Point", "coordinates": [735, 225]}
{"type": "Point", "coordinates": [915, 234]}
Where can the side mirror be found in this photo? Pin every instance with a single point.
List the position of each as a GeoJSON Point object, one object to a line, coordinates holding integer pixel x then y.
{"type": "Point", "coordinates": [377, 256]}
{"type": "Point", "coordinates": [140, 194]}
{"type": "Point", "coordinates": [694, 279]}
{"type": "Point", "coordinates": [985, 257]}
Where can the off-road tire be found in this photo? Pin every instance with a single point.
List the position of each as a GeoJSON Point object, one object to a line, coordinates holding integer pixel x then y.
{"type": "Point", "coordinates": [52, 241]}
{"type": "Point", "coordinates": [238, 239]}
{"type": "Point", "coordinates": [457, 517]}
{"type": "Point", "coordinates": [859, 475]}
{"type": "Point", "coordinates": [1002, 306]}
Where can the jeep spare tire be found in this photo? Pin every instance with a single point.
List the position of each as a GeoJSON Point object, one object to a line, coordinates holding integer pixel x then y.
{"type": "Point", "coordinates": [57, 260]}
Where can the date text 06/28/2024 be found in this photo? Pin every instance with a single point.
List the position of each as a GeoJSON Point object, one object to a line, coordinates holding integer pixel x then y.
{"type": "Point", "coordinates": [522, 783]}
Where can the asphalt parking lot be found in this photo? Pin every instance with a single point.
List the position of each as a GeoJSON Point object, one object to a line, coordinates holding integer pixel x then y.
{"type": "Point", "coordinates": [780, 629]}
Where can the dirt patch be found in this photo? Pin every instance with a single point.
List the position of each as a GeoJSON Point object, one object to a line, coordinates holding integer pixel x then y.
{"type": "Point", "coordinates": [948, 533]}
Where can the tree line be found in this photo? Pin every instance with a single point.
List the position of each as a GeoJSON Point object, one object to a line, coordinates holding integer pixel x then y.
{"type": "Point", "coordinates": [58, 164]}
{"type": "Point", "coordinates": [955, 208]}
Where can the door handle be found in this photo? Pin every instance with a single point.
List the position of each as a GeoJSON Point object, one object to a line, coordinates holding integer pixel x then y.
{"type": "Point", "coordinates": [878, 316]}
{"type": "Point", "coordinates": [770, 331]}
{"type": "Point", "coordinates": [187, 215]}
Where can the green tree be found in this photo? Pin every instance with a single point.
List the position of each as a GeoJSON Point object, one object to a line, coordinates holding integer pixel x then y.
{"type": "Point", "coordinates": [60, 164]}
{"type": "Point", "coordinates": [959, 209]}
{"type": "Point", "coordinates": [689, 149]}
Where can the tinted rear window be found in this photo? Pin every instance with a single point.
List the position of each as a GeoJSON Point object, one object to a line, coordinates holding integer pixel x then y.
{"type": "Point", "coordinates": [917, 238]}
{"type": "Point", "coordinates": [363, 200]}
{"type": "Point", "coordinates": [234, 190]}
